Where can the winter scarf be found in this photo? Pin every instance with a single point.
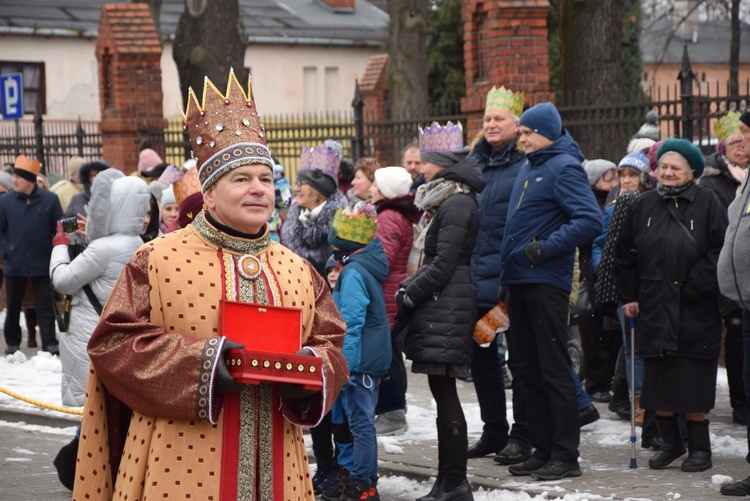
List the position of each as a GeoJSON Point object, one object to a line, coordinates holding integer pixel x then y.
{"type": "Point", "coordinates": [428, 199]}
{"type": "Point", "coordinates": [605, 283]}
{"type": "Point", "coordinates": [672, 191]}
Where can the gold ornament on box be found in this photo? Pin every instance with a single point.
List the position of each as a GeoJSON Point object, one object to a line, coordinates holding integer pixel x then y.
{"type": "Point", "coordinates": [225, 130]}
{"type": "Point", "coordinates": [727, 125]}
{"type": "Point", "coordinates": [504, 99]}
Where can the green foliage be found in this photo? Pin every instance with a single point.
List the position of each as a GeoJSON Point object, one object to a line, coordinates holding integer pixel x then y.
{"type": "Point", "coordinates": [445, 54]}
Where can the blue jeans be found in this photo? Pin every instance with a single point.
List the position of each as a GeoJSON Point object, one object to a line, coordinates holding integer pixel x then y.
{"type": "Point", "coordinates": [357, 402]}
{"type": "Point", "coordinates": [625, 325]}
{"type": "Point", "coordinates": [582, 396]}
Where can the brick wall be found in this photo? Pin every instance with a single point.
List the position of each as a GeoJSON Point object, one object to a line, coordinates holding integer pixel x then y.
{"type": "Point", "coordinates": [505, 43]}
{"type": "Point", "coordinates": [128, 53]}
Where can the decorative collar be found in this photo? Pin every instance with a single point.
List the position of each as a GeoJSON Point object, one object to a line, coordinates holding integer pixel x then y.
{"type": "Point", "coordinates": [216, 237]}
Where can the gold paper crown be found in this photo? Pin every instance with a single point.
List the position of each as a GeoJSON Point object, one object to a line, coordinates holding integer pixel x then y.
{"type": "Point", "coordinates": [727, 125]}
{"type": "Point", "coordinates": [186, 186]}
{"type": "Point", "coordinates": [225, 131]}
{"type": "Point", "coordinates": [358, 226]}
{"type": "Point", "coordinates": [504, 99]}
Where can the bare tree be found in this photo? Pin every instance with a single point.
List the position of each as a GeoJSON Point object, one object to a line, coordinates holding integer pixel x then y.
{"type": "Point", "coordinates": [210, 39]}
{"type": "Point", "coordinates": [734, 50]}
{"type": "Point", "coordinates": [591, 65]}
{"type": "Point", "coordinates": [407, 57]}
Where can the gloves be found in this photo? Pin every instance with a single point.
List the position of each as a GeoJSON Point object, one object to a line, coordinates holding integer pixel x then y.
{"type": "Point", "coordinates": [224, 382]}
{"type": "Point", "coordinates": [403, 301]}
{"type": "Point", "coordinates": [293, 391]}
{"type": "Point", "coordinates": [60, 238]}
{"type": "Point", "coordinates": [534, 253]}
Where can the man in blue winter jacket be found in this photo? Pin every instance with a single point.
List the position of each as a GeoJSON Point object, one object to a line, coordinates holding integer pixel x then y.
{"type": "Point", "coordinates": [28, 221]}
{"type": "Point", "coordinates": [552, 211]}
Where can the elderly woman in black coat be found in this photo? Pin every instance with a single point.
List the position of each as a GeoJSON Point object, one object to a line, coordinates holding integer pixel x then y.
{"type": "Point", "coordinates": [441, 298]}
{"type": "Point", "coordinates": [665, 275]}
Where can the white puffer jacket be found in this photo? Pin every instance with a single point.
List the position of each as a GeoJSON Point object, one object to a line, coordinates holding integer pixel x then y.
{"type": "Point", "coordinates": [116, 213]}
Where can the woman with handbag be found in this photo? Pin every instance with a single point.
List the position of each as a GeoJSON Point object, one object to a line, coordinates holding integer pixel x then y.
{"type": "Point", "coordinates": [665, 275]}
{"type": "Point", "coordinates": [116, 213]}
{"type": "Point", "coordinates": [441, 298]}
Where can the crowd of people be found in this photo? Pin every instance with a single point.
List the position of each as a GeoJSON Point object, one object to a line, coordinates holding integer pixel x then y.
{"type": "Point", "coordinates": [386, 263]}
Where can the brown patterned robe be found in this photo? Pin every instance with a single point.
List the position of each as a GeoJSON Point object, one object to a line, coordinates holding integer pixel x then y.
{"type": "Point", "coordinates": [153, 428]}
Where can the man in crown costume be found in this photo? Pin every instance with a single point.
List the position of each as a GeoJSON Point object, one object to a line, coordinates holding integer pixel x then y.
{"type": "Point", "coordinates": [499, 158]}
{"type": "Point", "coordinates": [163, 416]}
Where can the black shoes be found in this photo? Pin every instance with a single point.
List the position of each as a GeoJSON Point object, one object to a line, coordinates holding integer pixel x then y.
{"type": "Point", "coordinates": [11, 349]}
{"type": "Point", "coordinates": [53, 349]}
{"type": "Point", "coordinates": [621, 408]}
{"type": "Point", "coordinates": [741, 488]}
{"type": "Point", "coordinates": [484, 448]}
{"type": "Point", "coordinates": [588, 415]}
{"type": "Point", "coordinates": [739, 415]}
{"type": "Point", "coordinates": [525, 468]}
{"type": "Point", "coordinates": [556, 470]}
{"type": "Point", "coordinates": [601, 396]}
{"type": "Point", "coordinates": [513, 453]}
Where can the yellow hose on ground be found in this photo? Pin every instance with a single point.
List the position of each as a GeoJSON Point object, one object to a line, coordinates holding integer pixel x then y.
{"type": "Point", "coordinates": [58, 408]}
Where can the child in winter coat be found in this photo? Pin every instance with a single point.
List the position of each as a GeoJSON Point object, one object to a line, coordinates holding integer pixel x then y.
{"type": "Point", "coordinates": [359, 297]}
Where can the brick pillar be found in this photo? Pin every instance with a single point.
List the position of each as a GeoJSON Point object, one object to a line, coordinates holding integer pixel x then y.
{"type": "Point", "coordinates": [373, 86]}
{"type": "Point", "coordinates": [505, 43]}
{"type": "Point", "coordinates": [128, 52]}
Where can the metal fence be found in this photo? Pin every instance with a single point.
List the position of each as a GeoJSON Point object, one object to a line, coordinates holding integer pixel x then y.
{"type": "Point", "coordinates": [682, 113]}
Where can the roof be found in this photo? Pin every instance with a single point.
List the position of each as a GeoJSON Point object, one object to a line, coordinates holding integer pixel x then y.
{"type": "Point", "coordinates": [307, 22]}
{"type": "Point", "coordinates": [660, 44]}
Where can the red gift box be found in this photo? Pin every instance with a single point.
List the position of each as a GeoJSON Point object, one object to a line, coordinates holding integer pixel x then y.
{"type": "Point", "coordinates": [271, 335]}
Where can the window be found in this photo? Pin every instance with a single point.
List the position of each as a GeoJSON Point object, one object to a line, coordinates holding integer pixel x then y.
{"type": "Point", "coordinates": [310, 89]}
{"type": "Point", "coordinates": [33, 83]}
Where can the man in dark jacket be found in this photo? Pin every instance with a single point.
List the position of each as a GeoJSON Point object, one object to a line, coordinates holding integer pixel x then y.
{"type": "Point", "coordinates": [28, 221]}
{"type": "Point", "coordinates": [552, 211]}
{"type": "Point", "coordinates": [500, 160]}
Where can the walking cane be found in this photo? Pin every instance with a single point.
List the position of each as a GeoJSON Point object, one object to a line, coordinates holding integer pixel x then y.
{"type": "Point", "coordinates": [633, 463]}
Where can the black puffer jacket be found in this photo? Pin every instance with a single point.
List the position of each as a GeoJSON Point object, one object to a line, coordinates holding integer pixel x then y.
{"type": "Point", "coordinates": [672, 275]}
{"type": "Point", "coordinates": [445, 299]}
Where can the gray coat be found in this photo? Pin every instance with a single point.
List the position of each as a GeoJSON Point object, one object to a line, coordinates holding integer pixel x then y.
{"type": "Point", "coordinates": [117, 210]}
{"type": "Point", "coordinates": [734, 260]}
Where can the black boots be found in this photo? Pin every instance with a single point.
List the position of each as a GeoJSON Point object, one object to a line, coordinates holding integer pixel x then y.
{"type": "Point", "coordinates": [672, 448]}
{"type": "Point", "coordinates": [699, 447]}
{"type": "Point", "coordinates": [451, 484]}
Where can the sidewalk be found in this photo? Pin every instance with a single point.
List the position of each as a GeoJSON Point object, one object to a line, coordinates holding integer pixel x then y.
{"type": "Point", "coordinates": [605, 452]}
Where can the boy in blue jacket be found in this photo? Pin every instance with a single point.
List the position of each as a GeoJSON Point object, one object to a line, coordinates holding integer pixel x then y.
{"type": "Point", "coordinates": [358, 294]}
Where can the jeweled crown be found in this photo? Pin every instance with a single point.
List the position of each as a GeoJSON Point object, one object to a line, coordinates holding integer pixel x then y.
{"type": "Point", "coordinates": [727, 125]}
{"type": "Point", "coordinates": [225, 130]}
{"type": "Point", "coordinates": [504, 99]}
{"type": "Point", "coordinates": [325, 159]}
{"type": "Point", "coordinates": [441, 138]}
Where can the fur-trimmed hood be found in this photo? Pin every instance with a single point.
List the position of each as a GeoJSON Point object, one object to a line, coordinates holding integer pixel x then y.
{"type": "Point", "coordinates": [118, 204]}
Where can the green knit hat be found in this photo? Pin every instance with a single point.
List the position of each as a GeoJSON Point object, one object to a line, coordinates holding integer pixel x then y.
{"type": "Point", "coordinates": [688, 150]}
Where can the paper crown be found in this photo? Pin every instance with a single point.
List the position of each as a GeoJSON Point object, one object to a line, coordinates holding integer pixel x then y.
{"type": "Point", "coordinates": [27, 164]}
{"type": "Point", "coordinates": [358, 226]}
{"type": "Point", "coordinates": [441, 138]}
{"type": "Point", "coordinates": [186, 186]}
{"type": "Point", "coordinates": [504, 99]}
{"type": "Point", "coordinates": [727, 125]}
{"type": "Point", "coordinates": [324, 159]}
{"type": "Point", "coordinates": [225, 130]}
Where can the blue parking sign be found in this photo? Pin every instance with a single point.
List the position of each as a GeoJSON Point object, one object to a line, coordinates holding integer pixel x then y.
{"type": "Point", "coordinates": [11, 95]}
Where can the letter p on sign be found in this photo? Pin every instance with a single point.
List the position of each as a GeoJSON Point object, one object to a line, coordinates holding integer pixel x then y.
{"type": "Point", "coordinates": [11, 95]}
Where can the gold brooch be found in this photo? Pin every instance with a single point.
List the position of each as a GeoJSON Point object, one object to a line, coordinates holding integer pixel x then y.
{"type": "Point", "coordinates": [249, 267]}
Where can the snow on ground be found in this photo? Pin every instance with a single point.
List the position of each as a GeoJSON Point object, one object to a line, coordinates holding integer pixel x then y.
{"type": "Point", "coordinates": [38, 377]}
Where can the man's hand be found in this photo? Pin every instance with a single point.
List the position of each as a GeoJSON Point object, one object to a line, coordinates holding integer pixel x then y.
{"type": "Point", "coordinates": [534, 253]}
{"type": "Point", "coordinates": [224, 382]}
{"type": "Point", "coordinates": [293, 391]}
{"type": "Point", "coordinates": [60, 238]}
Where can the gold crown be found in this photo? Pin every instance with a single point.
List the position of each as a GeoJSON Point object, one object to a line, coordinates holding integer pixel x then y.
{"type": "Point", "coordinates": [358, 226]}
{"type": "Point", "coordinates": [504, 99]}
{"type": "Point", "coordinates": [727, 125]}
{"type": "Point", "coordinates": [225, 130]}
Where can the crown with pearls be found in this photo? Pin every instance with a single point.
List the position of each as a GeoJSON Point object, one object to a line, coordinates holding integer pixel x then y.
{"type": "Point", "coordinates": [441, 138]}
{"type": "Point", "coordinates": [323, 158]}
{"type": "Point", "coordinates": [504, 99]}
{"type": "Point", "coordinates": [225, 130]}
